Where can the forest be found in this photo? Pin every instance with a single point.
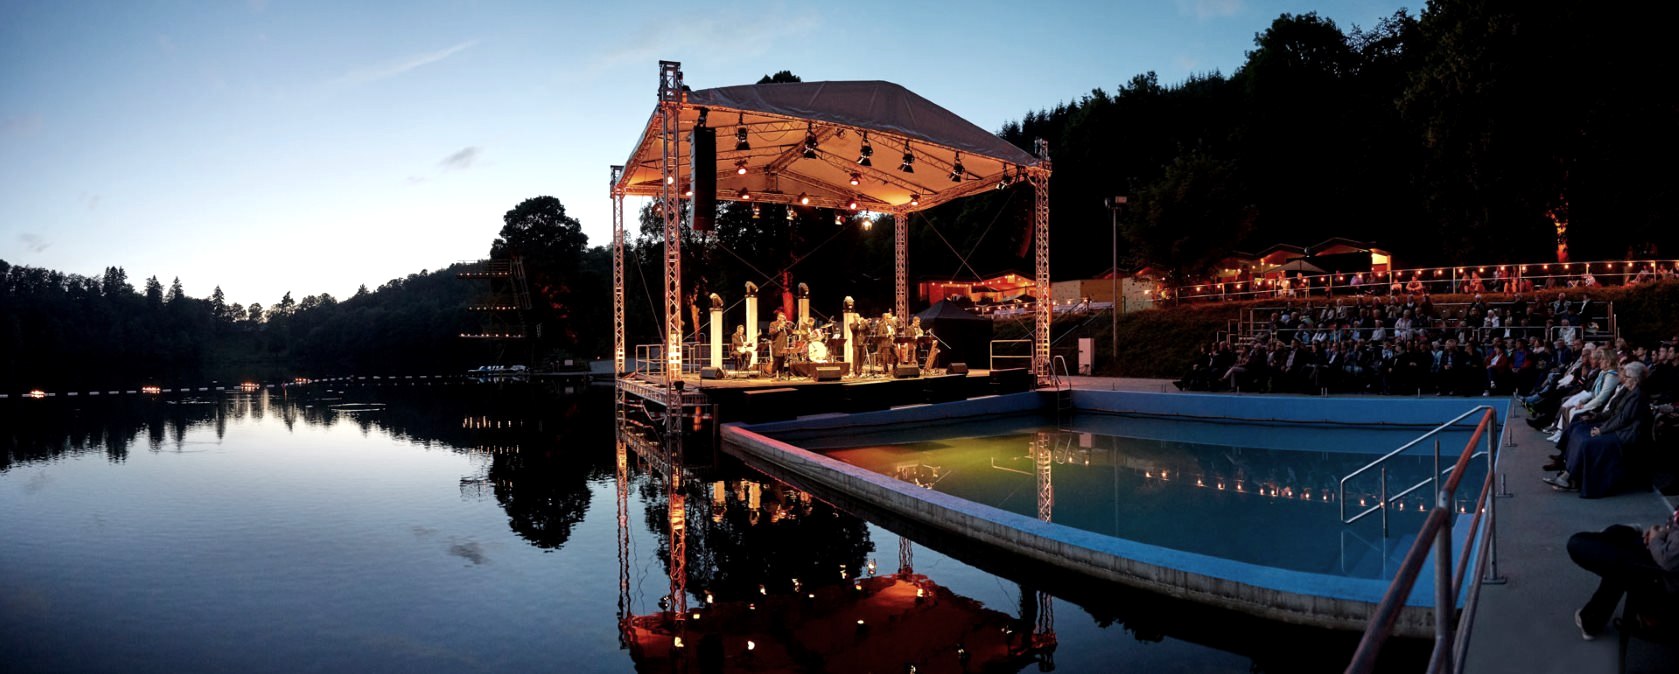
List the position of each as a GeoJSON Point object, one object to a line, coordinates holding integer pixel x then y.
{"type": "Point", "coordinates": [1470, 132]}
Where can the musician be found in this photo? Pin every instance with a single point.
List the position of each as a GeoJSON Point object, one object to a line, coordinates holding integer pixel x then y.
{"type": "Point", "coordinates": [886, 348]}
{"type": "Point", "coordinates": [913, 332]}
{"type": "Point", "coordinates": [739, 351]}
{"type": "Point", "coordinates": [781, 331]}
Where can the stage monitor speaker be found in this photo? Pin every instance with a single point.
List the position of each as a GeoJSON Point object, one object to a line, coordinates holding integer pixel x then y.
{"type": "Point", "coordinates": [704, 169]}
{"type": "Point", "coordinates": [828, 372]}
{"type": "Point", "coordinates": [958, 368]}
{"type": "Point", "coordinates": [906, 371]}
{"type": "Point", "coordinates": [712, 373]}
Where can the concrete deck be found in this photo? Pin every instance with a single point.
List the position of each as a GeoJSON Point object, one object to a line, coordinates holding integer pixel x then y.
{"type": "Point", "coordinates": [1527, 624]}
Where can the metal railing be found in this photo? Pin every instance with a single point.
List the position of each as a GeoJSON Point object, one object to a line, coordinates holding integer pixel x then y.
{"type": "Point", "coordinates": [994, 356]}
{"type": "Point", "coordinates": [1451, 630]}
{"type": "Point", "coordinates": [1532, 277]}
{"type": "Point", "coordinates": [1384, 500]}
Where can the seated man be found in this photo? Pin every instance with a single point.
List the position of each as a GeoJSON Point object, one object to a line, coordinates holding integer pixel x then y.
{"type": "Point", "coordinates": [1623, 559]}
{"type": "Point", "coordinates": [1596, 455]}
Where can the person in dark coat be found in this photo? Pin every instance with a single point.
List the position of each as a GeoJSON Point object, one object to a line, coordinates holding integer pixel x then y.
{"type": "Point", "coordinates": [1623, 559]}
{"type": "Point", "coordinates": [1596, 455]}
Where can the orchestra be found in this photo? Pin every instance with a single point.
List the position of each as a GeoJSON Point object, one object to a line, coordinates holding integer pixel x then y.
{"type": "Point", "coordinates": [790, 349]}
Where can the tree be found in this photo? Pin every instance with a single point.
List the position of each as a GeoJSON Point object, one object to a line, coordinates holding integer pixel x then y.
{"type": "Point", "coordinates": [550, 244]}
{"type": "Point", "coordinates": [154, 292]}
{"type": "Point", "coordinates": [115, 283]}
{"type": "Point", "coordinates": [219, 311]}
{"type": "Point", "coordinates": [253, 315]}
{"type": "Point", "coordinates": [176, 293]}
{"type": "Point", "coordinates": [284, 309]}
{"type": "Point", "coordinates": [1190, 218]}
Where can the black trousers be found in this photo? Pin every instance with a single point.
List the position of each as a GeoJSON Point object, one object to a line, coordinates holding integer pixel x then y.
{"type": "Point", "coordinates": [1618, 556]}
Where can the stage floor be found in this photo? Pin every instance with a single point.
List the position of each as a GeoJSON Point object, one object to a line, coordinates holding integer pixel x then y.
{"type": "Point", "coordinates": [766, 381]}
{"type": "Point", "coordinates": [764, 398]}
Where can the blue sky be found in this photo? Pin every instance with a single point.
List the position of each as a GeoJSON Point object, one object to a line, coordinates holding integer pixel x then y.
{"type": "Point", "coordinates": [269, 146]}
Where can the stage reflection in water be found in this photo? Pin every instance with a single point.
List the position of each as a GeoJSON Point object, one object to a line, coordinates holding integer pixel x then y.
{"type": "Point", "coordinates": [763, 577]}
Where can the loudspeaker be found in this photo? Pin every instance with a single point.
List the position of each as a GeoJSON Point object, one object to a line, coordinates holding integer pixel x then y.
{"type": "Point", "coordinates": [712, 373]}
{"type": "Point", "coordinates": [906, 371]}
{"type": "Point", "coordinates": [828, 372]}
{"type": "Point", "coordinates": [703, 144]}
{"type": "Point", "coordinates": [958, 368]}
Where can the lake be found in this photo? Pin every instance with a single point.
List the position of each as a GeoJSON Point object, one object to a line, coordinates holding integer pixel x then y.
{"type": "Point", "coordinates": [451, 527]}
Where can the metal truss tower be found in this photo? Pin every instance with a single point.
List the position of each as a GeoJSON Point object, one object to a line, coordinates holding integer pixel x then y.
{"type": "Point", "coordinates": [1044, 308]}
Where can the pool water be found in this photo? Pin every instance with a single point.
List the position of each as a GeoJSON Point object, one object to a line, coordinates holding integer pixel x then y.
{"type": "Point", "coordinates": [1262, 494]}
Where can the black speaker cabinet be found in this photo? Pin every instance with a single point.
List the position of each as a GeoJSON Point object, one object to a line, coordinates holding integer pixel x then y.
{"type": "Point", "coordinates": [958, 368]}
{"type": "Point", "coordinates": [712, 373]}
{"type": "Point", "coordinates": [906, 371]}
{"type": "Point", "coordinates": [703, 149]}
{"type": "Point", "coordinates": [828, 372]}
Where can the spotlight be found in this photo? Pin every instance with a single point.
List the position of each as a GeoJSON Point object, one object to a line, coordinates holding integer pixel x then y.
{"type": "Point", "coordinates": [1006, 180]}
{"type": "Point", "coordinates": [865, 152]}
{"type": "Point", "coordinates": [839, 219]}
{"type": "Point", "coordinates": [852, 204]}
{"type": "Point", "coordinates": [957, 171]}
{"type": "Point", "coordinates": [740, 135]}
{"type": "Point", "coordinates": [790, 214]}
{"type": "Point", "coordinates": [743, 195]}
{"type": "Point", "coordinates": [804, 199]}
{"type": "Point", "coordinates": [700, 123]}
{"type": "Point", "coordinates": [856, 180]}
{"type": "Point", "coordinates": [908, 165]}
{"type": "Point", "coordinates": [810, 142]}
{"type": "Point", "coordinates": [688, 192]}
{"type": "Point", "coordinates": [868, 224]}
{"type": "Point", "coordinates": [754, 211]}
{"type": "Point", "coordinates": [915, 200]}
{"type": "Point", "coordinates": [740, 167]}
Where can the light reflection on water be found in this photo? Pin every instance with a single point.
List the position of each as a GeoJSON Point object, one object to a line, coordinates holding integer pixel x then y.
{"type": "Point", "coordinates": [449, 529]}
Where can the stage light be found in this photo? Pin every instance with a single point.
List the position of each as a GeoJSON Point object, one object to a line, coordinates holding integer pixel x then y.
{"type": "Point", "coordinates": [1006, 180]}
{"type": "Point", "coordinates": [688, 191]}
{"type": "Point", "coordinates": [700, 123]}
{"type": "Point", "coordinates": [740, 167]}
{"type": "Point", "coordinates": [839, 219]}
{"type": "Point", "coordinates": [740, 135]}
{"type": "Point", "coordinates": [754, 211]}
{"type": "Point", "coordinates": [957, 171]}
{"type": "Point", "coordinates": [852, 204]}
{"type": "Point", "coordinates": [804, 199]}
{"type": "Point", "coordinates": [865, 152]}
{"type": "Point", "coordinates": [868, 225]}
{"type": "Point", "coordinates": [908, 165]}
{"type": "Point", "coordinates": [915, 200]}
{"type": "Point", "coordinates": [856, 180]}
{"type": "Point", "coordinates": [743, 195]}
{"type": "Point", "coordinates": [810, 142]}
{"type": "Point", "coordinates": [789, 214]}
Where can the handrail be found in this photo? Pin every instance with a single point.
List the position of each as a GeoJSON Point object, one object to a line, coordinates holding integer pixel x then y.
{"type": "Point", "coordinates": [1449, 645]}
{"type": "Point", "coordinates": [1058, 362]}
{"type": "Point", "coordinates": [992, 364]}
{"type": "Point", "coordinates": [1435, 280]}
{"type": "Point", "coordinates": [1384, 499]}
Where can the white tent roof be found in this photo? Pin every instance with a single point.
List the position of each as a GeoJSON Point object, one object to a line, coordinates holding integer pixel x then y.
{"type": "Point", "coordinates": [840, 115]}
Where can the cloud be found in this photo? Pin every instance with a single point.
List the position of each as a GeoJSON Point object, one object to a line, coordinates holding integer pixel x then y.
{"type": "Point", "coordinates": [1210, 9]}
{"type": "Point", "coordinates": [748, 35]}
{"type": "Point", "coordinates": [389, 69]}
{"type": "Point", "coordinates": [20, 125]}
{"type": "Point", "coordinates": [33, 242]}
{"type": "Point", "coordinates": [470, 551]}
{"type": "Point", "coordinates": [460, 160]}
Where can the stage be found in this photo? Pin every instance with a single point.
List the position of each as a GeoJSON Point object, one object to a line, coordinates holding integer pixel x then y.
{"type": "Point", "coordinates": [762, 398]}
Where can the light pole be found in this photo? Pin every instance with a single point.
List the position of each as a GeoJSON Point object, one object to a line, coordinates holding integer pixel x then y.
{"type": "Point", "coordinates": [1114, 204]}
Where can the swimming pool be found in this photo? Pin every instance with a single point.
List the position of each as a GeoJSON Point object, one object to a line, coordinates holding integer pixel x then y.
{"type": "Point", "coordinates": [1227, 499]}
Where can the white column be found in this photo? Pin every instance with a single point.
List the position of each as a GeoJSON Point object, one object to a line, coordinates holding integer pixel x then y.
{"type": "Point", "coordinates": [716, 337]}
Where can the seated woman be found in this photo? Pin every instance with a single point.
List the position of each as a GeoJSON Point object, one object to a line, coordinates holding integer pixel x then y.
{"type": "Point", "coordinates": [1623, 559]}
{"type": "Point", "coordinates": [1598, 457]}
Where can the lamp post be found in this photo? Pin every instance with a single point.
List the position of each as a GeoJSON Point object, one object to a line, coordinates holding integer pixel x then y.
{"type": "Point", "coordinates": [1114, 204]}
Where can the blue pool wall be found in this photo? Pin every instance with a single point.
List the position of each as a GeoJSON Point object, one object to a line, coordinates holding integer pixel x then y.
{"type": "Point", "coordinates": [1291, 596]}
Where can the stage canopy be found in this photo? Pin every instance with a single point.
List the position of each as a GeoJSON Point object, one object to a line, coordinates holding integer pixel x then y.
{"type": "Point", "coordinates": [842, 123]}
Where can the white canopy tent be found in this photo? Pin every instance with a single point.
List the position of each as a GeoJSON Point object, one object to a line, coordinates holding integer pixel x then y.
{"type": "Point", "coordinates": [857, 146]}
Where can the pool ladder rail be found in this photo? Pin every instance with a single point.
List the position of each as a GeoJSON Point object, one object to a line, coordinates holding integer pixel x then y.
{"type": "Point", "coordinates": [1451, 628]}
{"type": "Point", "coordinates": [1059, 379]}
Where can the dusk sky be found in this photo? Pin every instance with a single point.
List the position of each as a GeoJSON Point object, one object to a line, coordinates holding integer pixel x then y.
{"type": "Point", "coordinates": [269, 146]}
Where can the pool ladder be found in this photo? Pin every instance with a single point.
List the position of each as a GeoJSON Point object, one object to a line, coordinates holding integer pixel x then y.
{"type": "Point", "coordinates": [1058, 379]}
